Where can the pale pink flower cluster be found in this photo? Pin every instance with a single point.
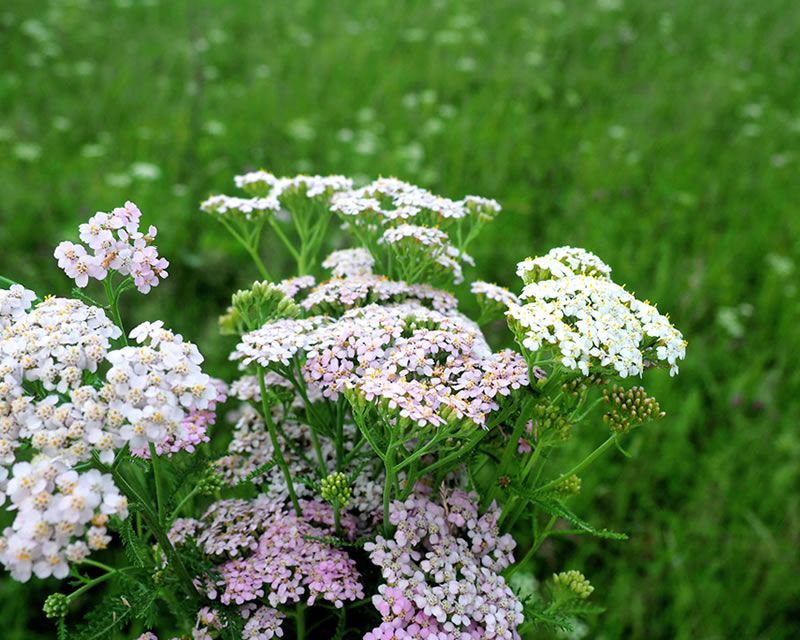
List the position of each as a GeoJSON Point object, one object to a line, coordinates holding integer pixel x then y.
{"type": "Point", "coordinates": [292, 286]}
{"type": "Point", "coordinates": [61, 517]}
{"type": "Point", "coordinates": [339, 294]}
{"type": "Point", "coordinates": [268, 552]}
{"type": "Point", "coordinates": [116, 244]}
{"type": "Point", "coordinates": [421, 365]}
{"type": "Point", "coordinates": [442, 571]}
{"type": "Point", "coordinates": [347, 263]}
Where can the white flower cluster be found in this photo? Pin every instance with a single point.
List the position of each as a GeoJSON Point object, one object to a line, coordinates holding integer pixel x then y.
{"type": "Point", "coordinates": [152, 388]}
{"type": "Point", "coordinates": [55, 400]}
{"type": "Point", "coordinates": [14, 302]}
{"type": "Point", "coordinates": [428, 236]}
{"type": "Point", "coordinates": [61, 517]}
{"type": "Point", "coordinates": [53, 345]}
{"type": "Point", "coordinates": [275, 342]}
{"type": "Point", "coordinates": [418, 244]}
{"type": "Point", "coordinates": [562, 262]}
{"type": "Point", "coordinates": [388, 199]}
{"type": "Point", "coordinates": [269, 193]}
{"type": "Point", "coordinates": [260, 182]}
{"type": "Point", "coordinates": [594, 322]}
{"type": "Point", "coordinates": [347, 263]}
{"type": "Point", "coordinates": [248, 208]}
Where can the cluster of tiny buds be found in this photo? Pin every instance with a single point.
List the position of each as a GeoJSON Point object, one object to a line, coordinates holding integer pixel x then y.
{"type": "Point", "coordinates": [550, 422]}
{"type": "Point", "coordinates": [568, 486]}
{"type": "Point", "coordinates": [573, 583]}
{"type": "Point", "coordinates": [336, 490]}
{"type": "Point", "coordinates": [56, 605]}
{"type": "Point", "coordinates": [630, 408]}
{"type": "Point", "coordinates": [210, 482]}
{"type": "Point", "coordinates": [578, 386]}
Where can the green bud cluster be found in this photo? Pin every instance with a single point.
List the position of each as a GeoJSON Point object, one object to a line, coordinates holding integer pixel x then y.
{"type": "Point", "coordinates": [569, 486]}
{"type": "Point", "coordinates": [263, 302]}
{"type": "Point", "coordinates": [56, 605]}
{"type": "Point", "coordinates": [573, 583]}
{"type": "Point", "coordinates": [578, 386]}
{"type": "Point", "coordinates": [336, 490]}
{"type": "Point", "coordinates": [629, 408]}
{"type": "Point", "coordinates": [210, 482]}
{"type": "Point", "coordinates": [550, 422]}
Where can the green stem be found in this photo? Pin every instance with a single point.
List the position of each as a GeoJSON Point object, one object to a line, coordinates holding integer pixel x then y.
{"type": "Point", "coordinates": [91, 584]}
{"type": "Point", "coordinates": [276, 445]}
{"type": "Point", "coordinates": [284, 239]}
{"type": "Point", "coordinates": [186, 499]}
{"type": "Point", "coordinates": [113, 303]}
{"type": "Point", "coordinates": [300, 621]}
{"type": "Point", "coordinates": [157, 479]}
{"type": "Point", "coordinates": [387, 486]}
{"type": "Point", "coordinates": [99, 565]}
{"type": "Point", "coordinates": [152, 520]}
{"type": "Point", "coordinates": [581, 465]}
{"type": "Point", "coordinates": [251, 250]}
{"type": "Point", "coordinates": [537, 542]}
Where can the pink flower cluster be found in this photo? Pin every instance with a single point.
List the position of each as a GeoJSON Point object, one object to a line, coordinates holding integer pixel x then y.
{"type": "Point", "coordinates": [272, 553]}
{"type": "Point", "coordinates": [116, 244]}
{"type": "Point", "coordinates": [442, 573]}
{"type": "Point", "coordinates": [422, 365]}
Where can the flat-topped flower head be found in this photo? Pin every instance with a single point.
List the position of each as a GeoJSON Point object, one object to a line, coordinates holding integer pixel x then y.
{"type": "Point", "coordinates": [271, 194]}
{"type": "Point", "coordinates": [243, 208]}
{"type": "Point", "coordinates": [335, 296]}
{"type": "Point", "coordinates": [275, 343]}
{"type": "Point", "coordinates": [115, 243]}
{"type": "Point", "coordinates": [561, 262]}
{"type": "Point", "coordinates": [442, 572]}
{"type": "Point", "coordinates": [594, 324]}
{"type": "Point", "coordinates": [263, 552]}
{"type": "Point", "coordinates": [389, 201]}
{"type": "Point", "coordinates": [347, 263]}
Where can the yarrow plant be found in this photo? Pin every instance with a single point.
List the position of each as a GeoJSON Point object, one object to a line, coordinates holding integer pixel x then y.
{"type": "Point", "coordinates": [374, 451]}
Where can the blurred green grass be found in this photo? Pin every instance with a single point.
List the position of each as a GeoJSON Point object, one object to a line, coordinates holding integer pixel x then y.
{"type": "Point", "coordinates": [663, 135]}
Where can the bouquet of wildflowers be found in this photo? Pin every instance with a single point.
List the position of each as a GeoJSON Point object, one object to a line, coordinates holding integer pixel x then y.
{"type": "Point", "coordinates": [378, 470]}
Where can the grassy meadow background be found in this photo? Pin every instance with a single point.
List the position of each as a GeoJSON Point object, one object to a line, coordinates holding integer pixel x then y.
{"type": "Point", "coordinates": [663, 135]}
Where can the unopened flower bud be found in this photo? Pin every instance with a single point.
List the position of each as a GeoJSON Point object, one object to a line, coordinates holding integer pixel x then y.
{"type": "Point", "coordinates": [56, 605]}
{"type": "Point", "coordinates": [573, 583]}
{"type": "Point", "coordinates": [336, 490]}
